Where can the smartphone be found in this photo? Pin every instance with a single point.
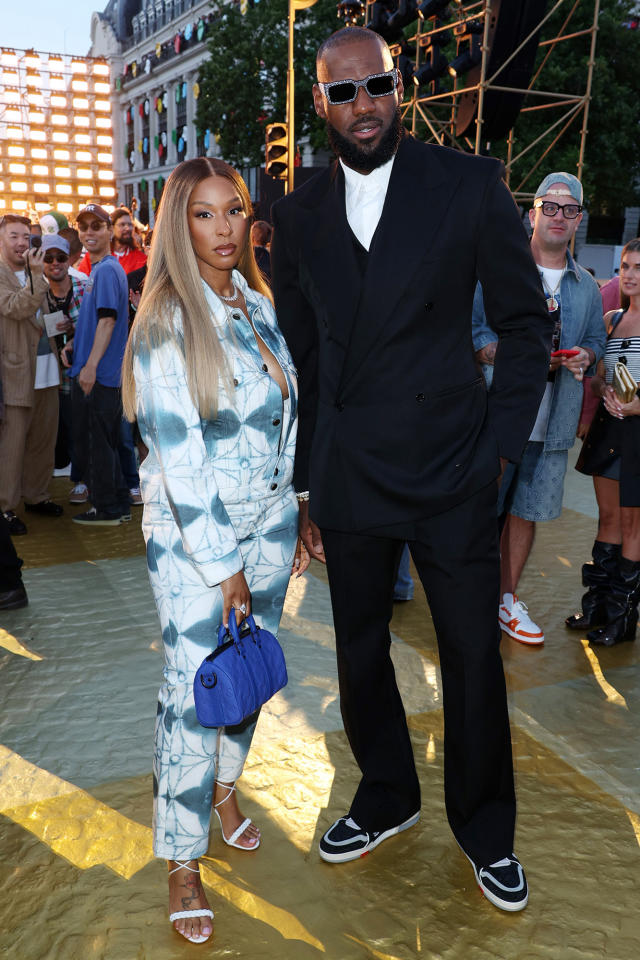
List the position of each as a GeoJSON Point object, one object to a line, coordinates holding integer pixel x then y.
{"type": "Point", "coordinates": [35, 241]}
{"type": "Point", "coordinates": [565, 353]}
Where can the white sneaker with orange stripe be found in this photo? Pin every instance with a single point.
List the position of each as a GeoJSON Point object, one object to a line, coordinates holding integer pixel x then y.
{"type": "Point", "coordinates": [514, 619]}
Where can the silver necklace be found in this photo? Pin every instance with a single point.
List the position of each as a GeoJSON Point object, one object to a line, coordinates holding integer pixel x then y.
{"type": "Point", "coordinates": [234, 295]}
{"type": "Point", "coordinates": [552, 303]}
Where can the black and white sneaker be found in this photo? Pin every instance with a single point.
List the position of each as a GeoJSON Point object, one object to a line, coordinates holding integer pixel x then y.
{"type": "Point", "coordinates": [96, 518]}
{"type": "Point", "coordinates": [345, 840]}
{"type": "Point", "coordinates": [503, 883]}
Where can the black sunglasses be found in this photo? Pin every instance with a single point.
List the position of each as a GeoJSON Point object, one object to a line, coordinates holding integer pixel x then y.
{"type": "Point", "coordinates": [346, 91]}
{"type": "Point", "coordinates": [569, 211]}
{"type": "Point", "coordinates": [60, 258]}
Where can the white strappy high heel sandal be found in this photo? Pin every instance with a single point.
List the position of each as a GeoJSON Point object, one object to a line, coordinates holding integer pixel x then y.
{"type": "Point", "coordinates": [231, 841]}
{"type": "Point", "coordinates": [189, 914]}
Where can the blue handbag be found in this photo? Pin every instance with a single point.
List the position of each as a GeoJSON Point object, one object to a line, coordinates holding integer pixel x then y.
{"type": "Point", "coordinates": [243, 672]}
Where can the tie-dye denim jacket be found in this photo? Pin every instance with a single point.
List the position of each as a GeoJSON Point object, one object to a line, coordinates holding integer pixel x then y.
{"type": "Point", "coordinates": [200, 473]}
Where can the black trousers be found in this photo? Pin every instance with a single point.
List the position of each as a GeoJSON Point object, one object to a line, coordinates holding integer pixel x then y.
{"type": "Point", "coordinates": [96, 430]}
{"type": "Point", "coordinates": [457, 558]}
{"type": "Point", "coordinates": [10, 562]}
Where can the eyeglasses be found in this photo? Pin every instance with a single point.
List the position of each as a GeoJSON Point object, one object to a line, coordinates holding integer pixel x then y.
{"type": "Point", "coordinates": [15, 218]}
{"type": "Point", "coordinates": [569, 211]}
{"type": "Point", "coordinates": [60, 258]}
{"type": "Point", "coordinates": [346, 91]}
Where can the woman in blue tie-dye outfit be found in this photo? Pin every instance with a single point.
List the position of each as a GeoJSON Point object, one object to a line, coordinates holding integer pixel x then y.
{"type": "Point", "coordinates": [208, 375]}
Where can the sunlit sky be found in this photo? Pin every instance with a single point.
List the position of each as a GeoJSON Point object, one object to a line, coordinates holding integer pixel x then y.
{"type": "Point", "coordinates": [47, 26]}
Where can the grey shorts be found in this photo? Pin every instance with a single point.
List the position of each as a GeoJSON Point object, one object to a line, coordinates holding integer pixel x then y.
{"type": "Point", "coordinates": [536, 492]}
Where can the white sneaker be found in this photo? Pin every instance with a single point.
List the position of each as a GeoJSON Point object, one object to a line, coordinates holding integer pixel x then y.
{"type": "Point", "coordinates": [79, 493]}
{"type": "Point", "coordinates": [514, 619]}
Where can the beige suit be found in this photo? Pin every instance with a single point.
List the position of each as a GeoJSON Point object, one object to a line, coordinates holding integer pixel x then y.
{"type": "Point", "coordinates": [28, 429]}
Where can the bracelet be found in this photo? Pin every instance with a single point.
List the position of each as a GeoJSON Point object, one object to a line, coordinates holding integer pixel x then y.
{"type": "Point", "coordinates": [302, 497]}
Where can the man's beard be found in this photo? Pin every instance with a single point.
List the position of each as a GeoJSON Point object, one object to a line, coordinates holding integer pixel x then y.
{"type": "Point", "coordinates": [361, 159]}
{"type": "Point", "coordinates": [127, 242]}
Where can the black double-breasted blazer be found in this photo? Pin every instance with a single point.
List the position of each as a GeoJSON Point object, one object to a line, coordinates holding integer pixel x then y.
{"type": "Point", "coordinates": [395, 421]}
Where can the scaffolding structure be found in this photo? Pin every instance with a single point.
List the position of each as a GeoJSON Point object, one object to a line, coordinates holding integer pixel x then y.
{"type": "Point", "coordinates": [439, 110]}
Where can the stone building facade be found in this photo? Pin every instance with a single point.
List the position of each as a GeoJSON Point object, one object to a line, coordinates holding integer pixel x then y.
{"type": "Point", "coordinates": [155, 48]}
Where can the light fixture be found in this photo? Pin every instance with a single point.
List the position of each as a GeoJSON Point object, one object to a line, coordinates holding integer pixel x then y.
{"type": "Point", "coordinates": [435, 66]}
{"type": "Point", "coordinates": [432, 8]}
{"type": "Point", "coordinates": [466, 60]}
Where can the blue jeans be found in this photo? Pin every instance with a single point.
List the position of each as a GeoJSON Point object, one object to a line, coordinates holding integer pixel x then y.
{"type": "Point", "coordinates": [403, 589]}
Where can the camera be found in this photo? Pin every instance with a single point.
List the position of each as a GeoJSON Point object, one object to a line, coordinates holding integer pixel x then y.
{"type": "Point", "coordinates": [35, 242]}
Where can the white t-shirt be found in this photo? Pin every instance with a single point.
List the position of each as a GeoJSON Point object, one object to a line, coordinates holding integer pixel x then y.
{"type": "Point", "coordinates": [551, 279]}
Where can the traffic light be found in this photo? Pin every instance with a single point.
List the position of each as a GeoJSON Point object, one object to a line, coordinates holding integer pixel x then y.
{"type": "Point", "coordinates": [276, 156]}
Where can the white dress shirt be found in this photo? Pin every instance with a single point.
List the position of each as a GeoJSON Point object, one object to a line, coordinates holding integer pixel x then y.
{"type": "Point", "coordinates": [364, 198]}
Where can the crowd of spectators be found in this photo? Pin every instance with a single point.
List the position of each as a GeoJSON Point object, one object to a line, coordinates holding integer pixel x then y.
{"type": "Point", "coordinates": [60, 373]}
{"type": "Point", "coordinates": [64, 321]}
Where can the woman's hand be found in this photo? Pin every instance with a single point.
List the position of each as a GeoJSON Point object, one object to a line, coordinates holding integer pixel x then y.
{"type": "Point", "coordinates": [235, 593]}
{"type": "Point", "coordinates": [616, 408]}
{"type": "Point", "coordinates": [301, 559]}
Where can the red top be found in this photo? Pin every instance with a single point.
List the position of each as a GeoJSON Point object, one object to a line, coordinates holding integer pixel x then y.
{"type": "Point", "coordinates": [610, 293]}
{"type": "Point", "coordinates": [131, 260]}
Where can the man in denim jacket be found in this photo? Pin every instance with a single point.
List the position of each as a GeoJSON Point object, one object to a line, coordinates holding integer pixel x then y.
{"type": "Point", "coordinates": [533, 491]}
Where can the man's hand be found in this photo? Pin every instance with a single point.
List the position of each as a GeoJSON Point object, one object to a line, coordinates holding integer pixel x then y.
{"type": "Point", "coordinates": [301, 559]}
{"type": "Point", "coordinates": [487, 354]}
{"type": "Point", "coordinates": [235, 593]}
{"type": "Point", "coordinates": [576, 365]}
{"type": "Point", "coordinates": [64, 353]}
{"type": "Point", "coordinates": [87, 379]}
{"type": "Point", "coordinates": [34, 259]}
{"type": "Point", "coordinates": [65, 326]}
{"type": "Point", "coordinates": [310, 533]}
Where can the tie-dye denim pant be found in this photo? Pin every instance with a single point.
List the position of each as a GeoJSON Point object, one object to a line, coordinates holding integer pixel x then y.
{"type": "Point", "coordinates": [188, 758]}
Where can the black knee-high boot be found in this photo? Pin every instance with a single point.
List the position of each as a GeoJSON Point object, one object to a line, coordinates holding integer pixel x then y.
{"type": "Point", "coordinates": [623, 604]}
{"type": "Point", "coordinates": [597, 576]}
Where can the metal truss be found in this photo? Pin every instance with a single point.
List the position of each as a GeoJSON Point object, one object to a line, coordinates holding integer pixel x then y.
{"type": "Point", "coordinates": [436, 113]}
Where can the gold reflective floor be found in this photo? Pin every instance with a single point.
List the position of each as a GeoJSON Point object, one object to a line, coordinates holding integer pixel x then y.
{"type": "Point", "coordinates": [80, 669]}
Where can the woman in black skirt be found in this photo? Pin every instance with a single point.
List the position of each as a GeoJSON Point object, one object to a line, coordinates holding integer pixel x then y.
{"type": "Point", "coordinates": [611, 455]}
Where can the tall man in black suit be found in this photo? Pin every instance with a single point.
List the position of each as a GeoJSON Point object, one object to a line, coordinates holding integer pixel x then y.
{"type": "Point", "coordinates": [375, 262]}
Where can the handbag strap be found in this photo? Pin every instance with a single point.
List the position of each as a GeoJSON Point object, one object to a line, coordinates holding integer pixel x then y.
{"type": "Point", "coordinates": [233, 631]}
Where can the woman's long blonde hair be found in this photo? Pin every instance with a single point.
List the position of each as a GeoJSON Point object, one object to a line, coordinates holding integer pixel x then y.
{"type": "Point", "coordinates": [173, 283]}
